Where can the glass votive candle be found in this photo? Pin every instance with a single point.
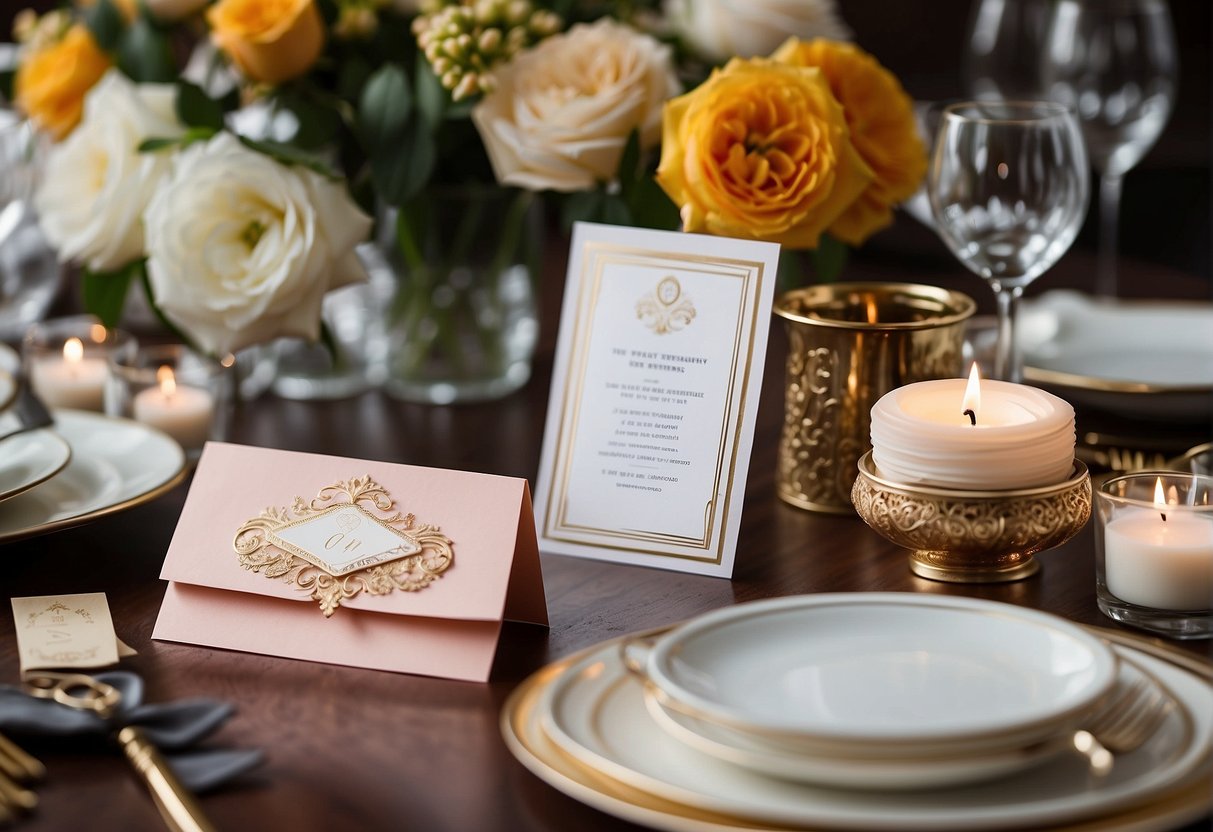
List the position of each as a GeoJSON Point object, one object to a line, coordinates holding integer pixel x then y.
{"type": "Point", "coordinates": [67, 360]}
{"type": "Point", "coordinates": [1154, 552]}
{"type": "Point", "coordinates": [173, 389]}
{"type": "Point", "coordinates": [1198, 460]}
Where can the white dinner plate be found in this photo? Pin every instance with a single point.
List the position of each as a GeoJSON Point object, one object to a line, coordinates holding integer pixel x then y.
{"type": "Point", "coordinates": [1139, 358]}
{"type": "Point", "coordinates": [8, 388]}
{"type": "Point", "coordinates": [10, 360]}
{"type": "Point", "coordinates": [31, 458]}
{"type": "Point", "coordinates": [595, 713]}
{"type": "Point", "coordinates": [116, 464]}
{"type": "Point", "coordinates": [880, 670]}
{"type": "Point", "coordinates": [871, 773]}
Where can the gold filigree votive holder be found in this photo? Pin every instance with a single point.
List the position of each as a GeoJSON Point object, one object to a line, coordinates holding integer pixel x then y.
{"type": "Point", "coordinates": [848, 345]}
{"type": "Point", "coordinates": [973, 536]}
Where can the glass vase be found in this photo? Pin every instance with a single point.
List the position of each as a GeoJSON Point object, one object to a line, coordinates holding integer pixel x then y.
{"type": "Point", "coordinates": [463, 324]}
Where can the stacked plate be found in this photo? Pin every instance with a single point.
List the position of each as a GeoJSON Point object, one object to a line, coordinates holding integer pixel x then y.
{"type": "Point", "coordinates": [871, 711]}
{"type": "Point", "coordinates": [83, 467]}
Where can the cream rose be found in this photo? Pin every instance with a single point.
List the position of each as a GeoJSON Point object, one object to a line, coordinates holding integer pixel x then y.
{"type": "Point", "coordinates": [241, 249]}
{"type": "Point", "coordinates": [97, 183]}
{"type": "Point", "coordinates": [562, 112]}
{"type": "Point", "coordinates": [723, 29]}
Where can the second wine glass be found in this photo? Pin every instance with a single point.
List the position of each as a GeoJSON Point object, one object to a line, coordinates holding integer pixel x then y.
{"type": "Point", "coordinates": [1008, 185]}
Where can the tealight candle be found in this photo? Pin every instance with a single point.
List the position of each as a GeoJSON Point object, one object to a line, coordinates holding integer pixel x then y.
{"type": "Point", "coordinates": [73, 380]}
{"type": "Point", "coordinates": [974, 435]}
{"type": "Point", "coordinates": [1160, 558]}
{"type": "Point", "coordinates": [1154, 552]}
{"type": "Point", "coordinates": [184, 413]}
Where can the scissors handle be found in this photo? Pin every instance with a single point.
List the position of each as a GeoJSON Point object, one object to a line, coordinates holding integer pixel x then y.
{"type": "Point", "coordinates": [178, 808]}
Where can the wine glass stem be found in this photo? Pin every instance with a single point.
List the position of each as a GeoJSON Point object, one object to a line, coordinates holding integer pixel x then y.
{"type": "Point", "coordinates": [1109, 228]}
{"type": "Point", "coordinates": [1008, 361]}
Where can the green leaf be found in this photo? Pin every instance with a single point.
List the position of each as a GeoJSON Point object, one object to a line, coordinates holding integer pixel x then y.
{"type": "Point", "coordinates": [196, 109]}
{"type": "Point", "coordinates": [651, 207]}
{"type": "Point", "coordinates": [629, 162]}
{"type": "Point", "coordinates": [432, 98]}
{"type": "Point", "coordinates": [289, 155]}
{"type": "Point", "coordinates": [385, 108]}
{"type": "Point", "coordinates": [582, 206]}
{"type": "Point", "coordinates": [329, 342]}
{"type": "Point", "coordinates": [146, 281]}
{"type": "Point", "coordinates": [829, 258]}
{"type": "Point", "coordinates": [156, 144]}
{"type": "Point", "coordinates": [615, 211]}
{"type": "Point", "coordinates": [400, 171]}
{"type": "Point", "coordinates": [104, 293]}
{"type": "Point", "coordinates": [106, 24]}
{"type": "Point", "coordinates": [145, 54]}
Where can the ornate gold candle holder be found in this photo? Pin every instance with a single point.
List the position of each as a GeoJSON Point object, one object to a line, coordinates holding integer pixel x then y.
{"type": "Point", "coordinates": [848, 345]}
{"type": "Point", "coordinates": [973, 536]}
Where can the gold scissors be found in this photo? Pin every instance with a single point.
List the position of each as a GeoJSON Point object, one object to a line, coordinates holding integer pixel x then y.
{"type": "Point", "coordinates": [178, 808]}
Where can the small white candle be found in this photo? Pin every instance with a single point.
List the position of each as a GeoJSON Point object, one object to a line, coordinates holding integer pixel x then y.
{"type": "Point", "coordinates": [973, 435]}
{"type": "Point", "coordinates": [184, 413]}
{"type": "Point", "coordinates": [1161, 559]}
{"type": "Point", "coordinates": [74, 381]}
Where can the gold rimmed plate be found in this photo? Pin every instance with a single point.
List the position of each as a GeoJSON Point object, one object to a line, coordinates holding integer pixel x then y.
{"type": "Point", "coordinates": [1139, 358]}
{"type": "Point", "coordinates": [116, 464]}
{"type": "Point", "coordinates": [1158, 787]}
{"type": "Point", "coordinates": [30, 459]}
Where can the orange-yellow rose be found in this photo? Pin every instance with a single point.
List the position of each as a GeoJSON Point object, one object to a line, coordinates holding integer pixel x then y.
{"type": "Point", "coordinates": [881, 118]}
{"type": "Point", "coordinates": [51, 81]}
{"type": "Point", "coordinates": [270, 40]}
{"type": "Point", "coordinates": [760, 150]}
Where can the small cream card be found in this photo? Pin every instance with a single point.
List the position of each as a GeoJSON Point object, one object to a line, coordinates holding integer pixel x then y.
{"type": "Point", "coordinates": [354, 562]}
{"type": "Point", "coordinates": [654, 395]}
{"type": "Point", "coordinates": [60, 631]}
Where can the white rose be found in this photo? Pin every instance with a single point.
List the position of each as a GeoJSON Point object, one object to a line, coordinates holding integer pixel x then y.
{"type": "Point", "coordinates": [722, 29]}
{"type": "Point", "coordinates": [97, 183]}
{"type": "Point", "coordinates": [562, 112]}
{"type": "Point", "coordinates": [241, 249]}
{"type": "Point", "coordinates": [169, 11]}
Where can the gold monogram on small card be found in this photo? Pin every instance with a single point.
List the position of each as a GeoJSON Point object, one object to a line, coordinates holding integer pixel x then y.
{"type": "Point", "coordinates": [347, 540]}
{"type": "Point", "coordinates": [666, 309]}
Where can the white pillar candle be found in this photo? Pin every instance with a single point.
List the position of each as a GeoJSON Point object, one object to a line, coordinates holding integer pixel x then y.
{"type": "Point", "coordinates": [973, 435]}
{"type": "Point", "coordinates": [74, 381]}
{"type": "Point", "coordinates": [1162, 559]}
{"type": "Point", "coordinates": [184, 413]}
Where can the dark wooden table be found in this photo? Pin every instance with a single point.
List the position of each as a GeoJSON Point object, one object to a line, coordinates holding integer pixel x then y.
{"type": "Point", "coordinates": [366, 750]}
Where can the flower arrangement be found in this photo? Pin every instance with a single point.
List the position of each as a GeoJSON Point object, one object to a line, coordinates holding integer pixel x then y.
{"type": "Point", "coordinates": [228, 155]}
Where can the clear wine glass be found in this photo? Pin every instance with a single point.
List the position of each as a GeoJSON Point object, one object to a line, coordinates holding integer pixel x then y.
{"type": "Point", "coordinates": [1003, 47]}
{"type": "Point", "coordinates": [1114, 63]}
{"type": "Point", "coordinates": [1008, 185]}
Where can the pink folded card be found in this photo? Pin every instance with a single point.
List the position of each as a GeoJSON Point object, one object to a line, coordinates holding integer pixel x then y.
{"type": "Point", "coordinates": [353, 562]}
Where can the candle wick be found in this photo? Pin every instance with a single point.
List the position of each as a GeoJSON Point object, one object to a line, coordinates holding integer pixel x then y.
{"type": "Point", "coordinates": [1163, 516]}
{"type": "Point", "coordinates": [972, 416]}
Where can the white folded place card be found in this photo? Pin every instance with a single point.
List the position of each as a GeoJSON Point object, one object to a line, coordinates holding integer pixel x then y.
{"type": "Point", "coordinates": [354, 562]}
{"type": "Point", "coordinates": [654, 397]}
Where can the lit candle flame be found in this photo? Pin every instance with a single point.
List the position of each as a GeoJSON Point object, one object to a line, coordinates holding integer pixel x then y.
{"type": "Point", "coordinates": [971, 403]}
{"type": "Point", "coordinates": [872, 310]}
{"type": "Point", "coordinates": [168, 384]}
{"type": "Point", "coordinates": [1160, 500]}
{"type": "Point", "coordinates": [73, 351]}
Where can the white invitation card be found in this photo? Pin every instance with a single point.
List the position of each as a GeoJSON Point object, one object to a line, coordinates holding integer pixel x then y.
{"type": "Point", "coordinates": [654, 395]}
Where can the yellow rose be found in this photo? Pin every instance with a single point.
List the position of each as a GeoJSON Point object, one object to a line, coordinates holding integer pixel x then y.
{"type": "Point", "coordinates": [760, 150]}
{"type": "Point", "coordinates": [881, 118]}
{"type": "Point", "coordinates": [270, 40]}
{"type": "Point", "coordinates": [51, 82]}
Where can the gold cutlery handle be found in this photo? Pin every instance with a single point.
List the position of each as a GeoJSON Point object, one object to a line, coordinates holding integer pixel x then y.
{"type": "Point", "coordinates": [177, 806]}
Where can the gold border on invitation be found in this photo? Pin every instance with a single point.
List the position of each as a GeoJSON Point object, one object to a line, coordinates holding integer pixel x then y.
{"type": "Point", "coordinates": [596, 257]}
{"type": "Point", "coordinates": [259, 549]}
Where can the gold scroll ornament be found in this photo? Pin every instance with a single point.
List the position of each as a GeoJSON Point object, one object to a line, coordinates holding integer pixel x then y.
{"type": "Point", "coordinates": [666, 309]}
{"type": "Point", "coordinates": [348, 540]}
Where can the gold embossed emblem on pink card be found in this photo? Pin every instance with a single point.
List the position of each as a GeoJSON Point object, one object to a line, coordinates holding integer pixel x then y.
{"type": "Point", "coordinates": [395, 567]}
